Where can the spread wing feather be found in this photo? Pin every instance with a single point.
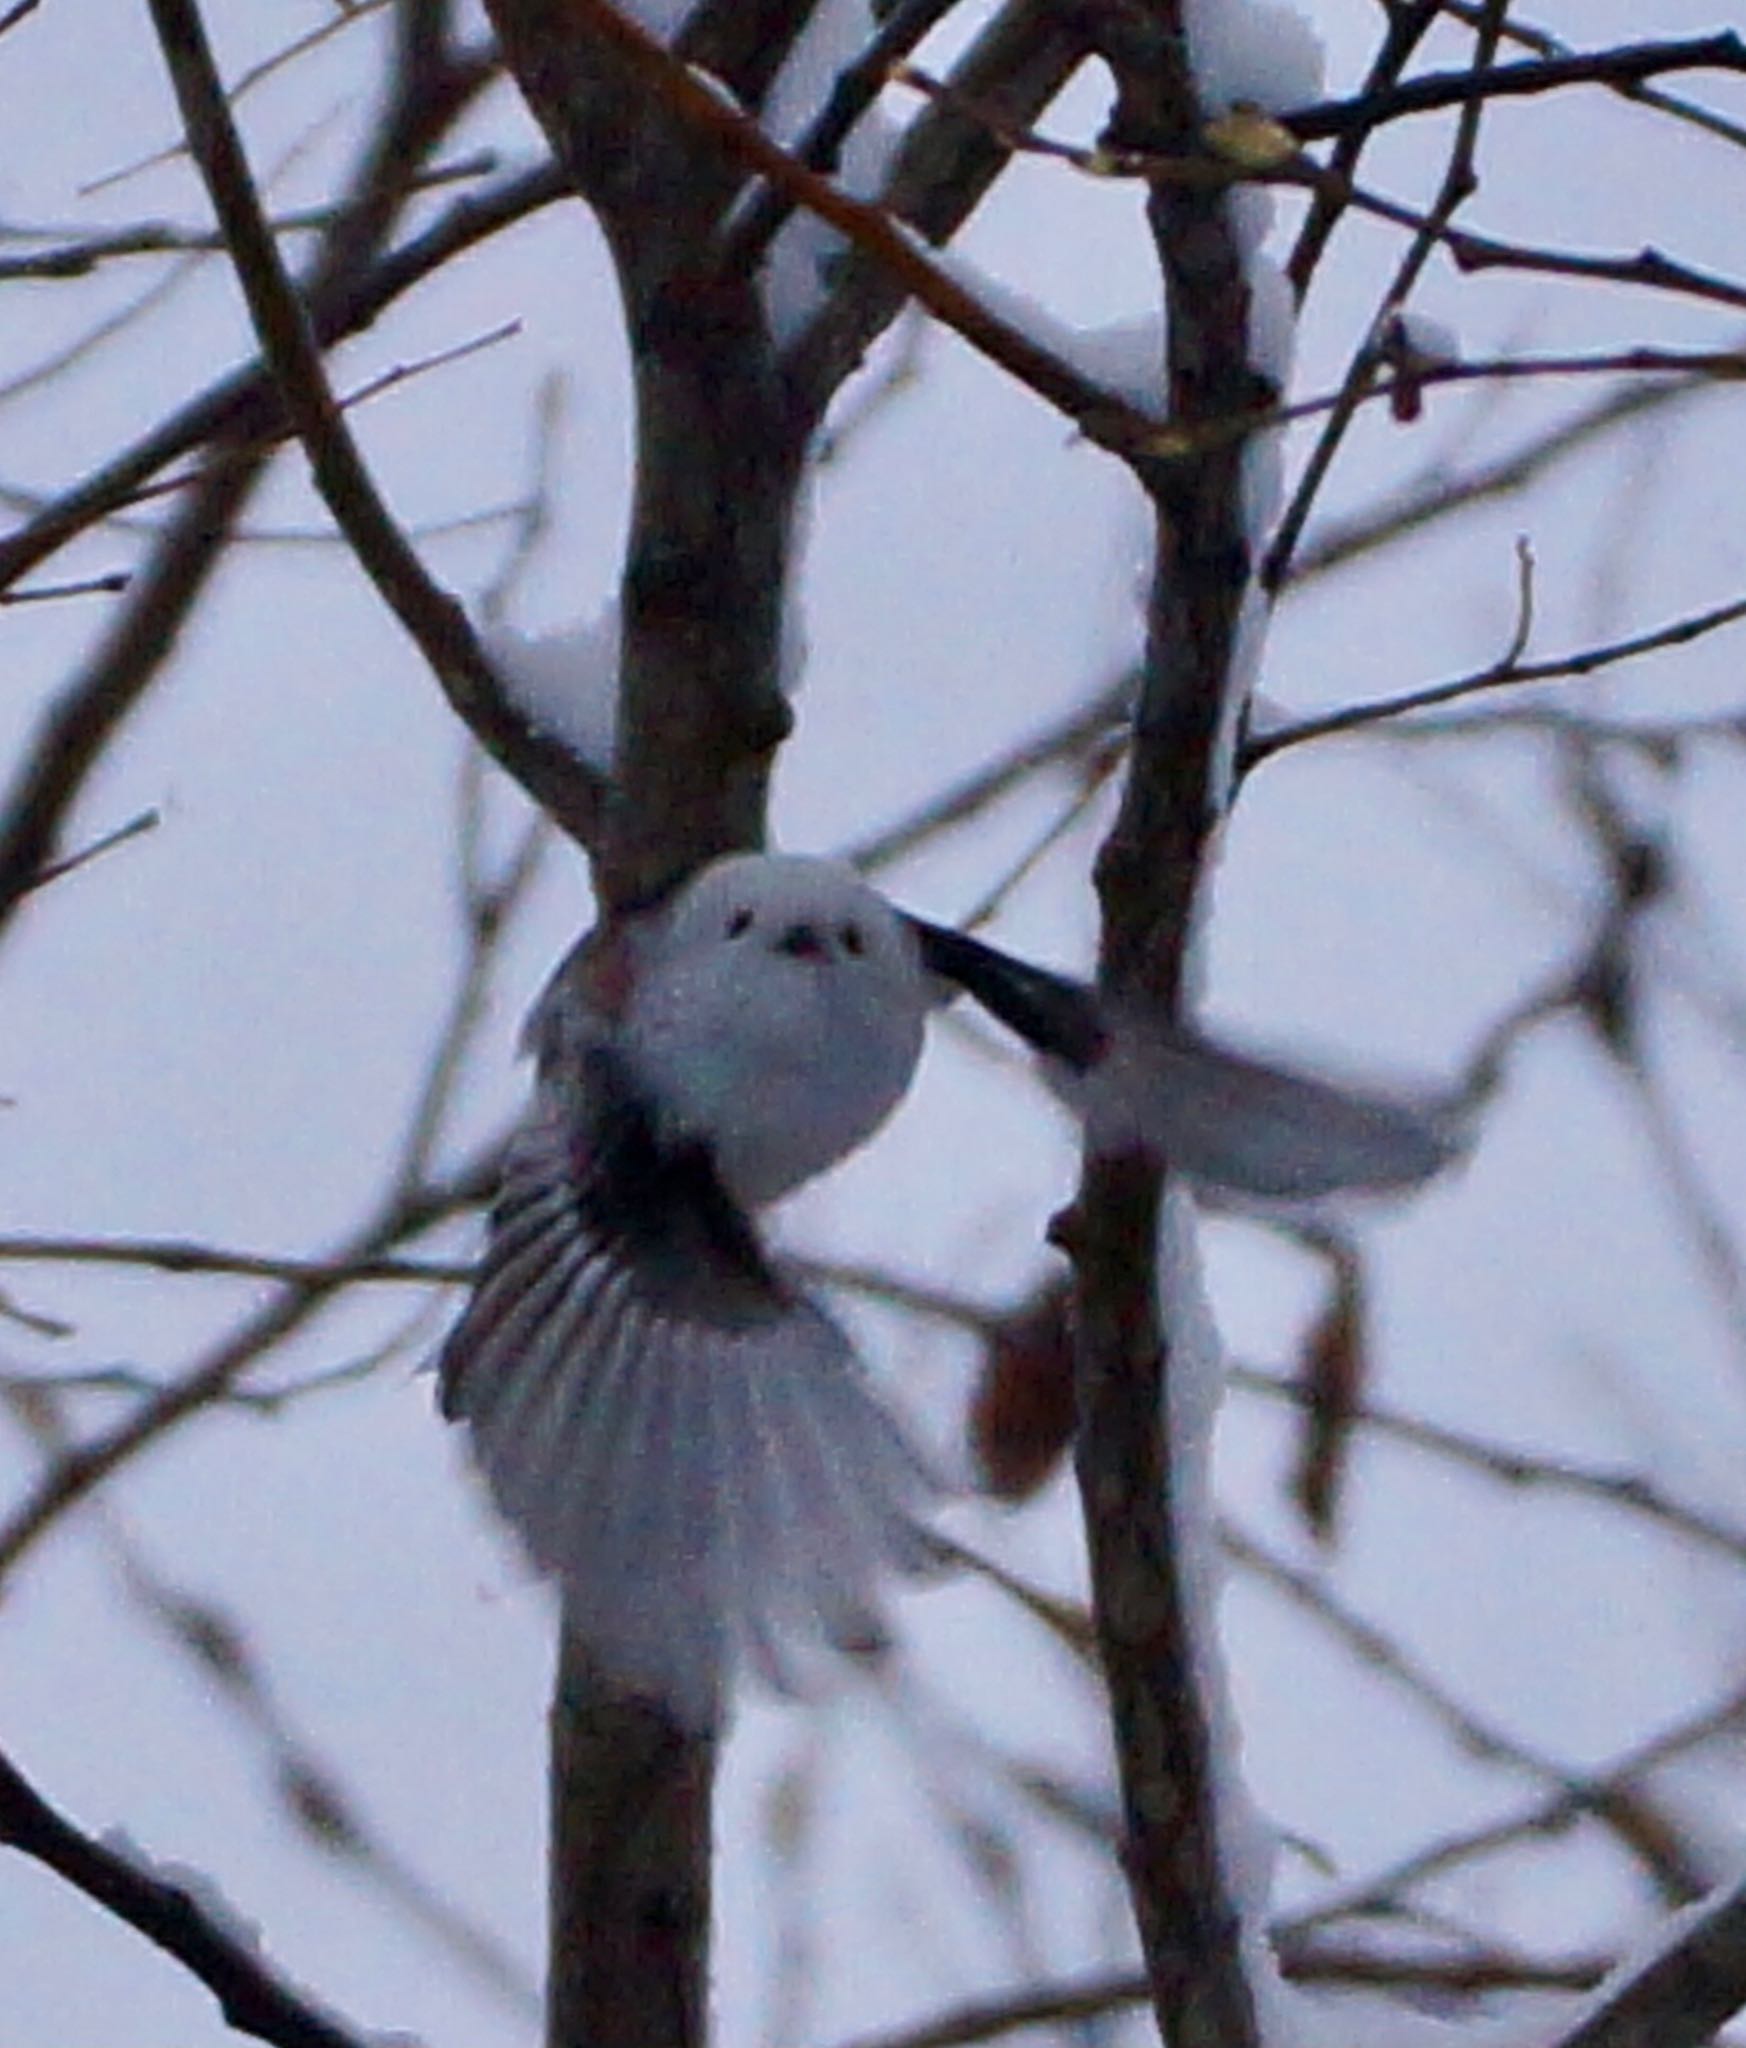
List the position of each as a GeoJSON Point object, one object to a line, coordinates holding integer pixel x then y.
{"type": "Point", "coordinates": [680, 1437]}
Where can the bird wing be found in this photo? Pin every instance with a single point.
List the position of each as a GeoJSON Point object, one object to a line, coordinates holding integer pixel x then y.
{"type": "Point", "coordinates": [1219, 1116]}
{"type": "Point", "coordinates": [1239, 1123]}
{"type": "Point", "coordinates": [679, 1435]}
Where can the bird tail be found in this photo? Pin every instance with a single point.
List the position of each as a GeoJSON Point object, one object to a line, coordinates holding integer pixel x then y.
{"type": "Point", "coordinates": [712, 1486]}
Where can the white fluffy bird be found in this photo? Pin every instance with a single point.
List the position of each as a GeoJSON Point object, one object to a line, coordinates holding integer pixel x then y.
{"type": "Point", "coordinates": [679, 1434]}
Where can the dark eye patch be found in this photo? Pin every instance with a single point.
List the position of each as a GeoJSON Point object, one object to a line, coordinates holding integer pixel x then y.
{"type": "Point", "coordinates": [739, 924]}
{"type": "Point", "coordinates": [853, 942]}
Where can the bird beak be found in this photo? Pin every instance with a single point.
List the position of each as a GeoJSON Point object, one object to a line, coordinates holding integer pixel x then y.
{"type": "Point", "coordinates": [802, 942]}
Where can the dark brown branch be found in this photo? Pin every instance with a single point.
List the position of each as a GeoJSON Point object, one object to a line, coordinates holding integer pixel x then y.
{"type": "Point", "coordinates": [945, 165]}
{"type": "Point", "coordinates": [1527, 37]}
{"type": "Point", "coordinates": [1407, 28]}
{"type": "Point", "coordinates": [1101, 415]}
{"type": "Point", "coordinates": [1141, 1532]}
{"type": "Point", "coordinates": [630, 1864]}
{"type": "Point", "coordinates": [701, 705]}
{"type": "Point", "coordinates": [1684, 1993]}
{"type": "Point", "coordinates": [252, 1999]}
{"type": "Point", "coordinates": [1334, 192]}
{"type": "Point", "coordinates": [1648, 268]}
{"type": "Point", "coordinates": [238, 416]}
{"type": "Point", "coordinates": [701, 712]}
{"type": "Point", "coordinates": [855, 90]}
{"type": "Point", "coordinates": [1628, 64]}
{"type": "Point", "coordinates": [434, 619]}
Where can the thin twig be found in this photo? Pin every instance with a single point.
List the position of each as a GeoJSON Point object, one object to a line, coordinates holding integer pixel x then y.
{"type": "Point", "coordinates": [1457, 185]}
{"type": "Point", "coordinates": [77, 255]}
{"type": "Point", "coordinates": [110, 585]}
{"type": "Point", "coordinates": [144, 821]}
{"type": "Point", "coordinates": [1544, 1814]}
{"type": "Point", "coordinates": [244, 83]}
{"type": "Point", "coordinates": [246, 400]}
{"type": "Point", "coordinates": [72, 1479]}
{"type": "Point", "coordinates": [181, 1255]}
{"type": "Point", "coordinates": [1518, 1469]}
{"type": "Point", "coordinates": [1506, 673]}
{"type": "Point", "coordinates": [1625, 64]}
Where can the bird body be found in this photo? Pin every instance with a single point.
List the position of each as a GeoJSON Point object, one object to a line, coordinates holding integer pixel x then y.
{"type": "Point", "coordinates": [786, 1069]}
{"type": "Point", "coordinates": [680, 1435]}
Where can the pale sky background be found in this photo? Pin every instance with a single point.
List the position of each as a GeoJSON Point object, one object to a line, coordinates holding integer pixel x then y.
{"type": "Point", "coordinates": [217, 1032]}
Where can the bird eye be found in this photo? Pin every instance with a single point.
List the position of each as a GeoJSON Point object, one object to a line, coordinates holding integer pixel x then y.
{"type": "Point", "coordinates": [739, 924]}
{"type": "Point", "coordinates": [852, 940]}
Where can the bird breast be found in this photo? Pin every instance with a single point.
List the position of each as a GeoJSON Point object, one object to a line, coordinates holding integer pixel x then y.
{"type": "Point", "coordinates": [782, 1070]}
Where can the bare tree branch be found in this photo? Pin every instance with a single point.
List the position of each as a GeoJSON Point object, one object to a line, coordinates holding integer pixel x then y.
{"type": "Point", "coordinates": [1524, 1471]}
{"type": "Point", "coordinates": [82, 724]}
{"type": "Point", "coordinates": [1694, 1981]}
{"type": "Point", "coordinates": [1438, 496]}
{"type": "Point", "coordinates": [177, 1255]}
{"type": "Point", "coordinates": [436, 621]}
{"type": "Point", "coordinates": [1139, 1532]}
{"type": "Point", "coordinates": [946, 164]}
{"type": "Point", "coordinates": [253, 2000]}
{"type": "Point", "coordinates": [1507, 672]}
{"type": "Point", "coordinates": [404, 1214]}
{"type": "Point", "coordinates": [1624, 64]}
{"type": "Point", "coordinates": [1066, 2004]}
{"type": "Point", "coordinates": [1527, 37]}
{"type": "Point", "coordinates": [1457, 185]}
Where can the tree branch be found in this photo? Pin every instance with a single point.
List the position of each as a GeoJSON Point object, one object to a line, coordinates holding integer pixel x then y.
{"type": "Point", "coordinates": [72, 1479]}
{"type": "Point", "coordinates": [946, 164]}
{"type": "Point", "coordinates": [1694, 1981]}
{"type": "Point", "coordinates": [252, 1999]}
{"type": "Point", "coordinates": [434, 619]}
{"type": "Point", "coordinates": [1140, 1478]}
{"type": "Point", "coordinates": [344, 300]}
{"type": "Point", "coordinates": [1507, 673]}
{"type": "Point", "coordinates": [1628, 64]}
{"type": "Point", "coordinates": [1458, 183]}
